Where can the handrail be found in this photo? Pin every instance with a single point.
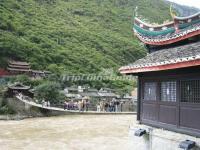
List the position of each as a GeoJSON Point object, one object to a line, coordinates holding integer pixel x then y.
{"type": "Point", "coordinates": [21, 98]}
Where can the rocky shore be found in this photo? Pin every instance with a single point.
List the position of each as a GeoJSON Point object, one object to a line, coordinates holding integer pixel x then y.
{"type": "Point", "coordinates": [14, 117]}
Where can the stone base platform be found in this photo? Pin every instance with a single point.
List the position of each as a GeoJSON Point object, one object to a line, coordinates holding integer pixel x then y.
{"type": "Point", "coordinates": [159, 139]}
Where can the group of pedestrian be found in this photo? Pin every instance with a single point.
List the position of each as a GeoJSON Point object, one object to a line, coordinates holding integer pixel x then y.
{"type": "Point", "coordinates": [70, 105]}
{"type": "Point", "coordinates": [45, 103]}
{"type": "Point", "coordinates": [112, 106]}
{"type": "Point", "coordinates": [82, 105]}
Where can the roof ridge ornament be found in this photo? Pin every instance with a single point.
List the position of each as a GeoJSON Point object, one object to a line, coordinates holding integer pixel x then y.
{"type": "Point", "coordinates": [135, 13]}
{"type": "Point", "coordinates": [172, 11]}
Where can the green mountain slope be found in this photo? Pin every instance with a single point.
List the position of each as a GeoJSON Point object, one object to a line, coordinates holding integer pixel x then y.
{"type": "Point", "coordinates": [78, 36]}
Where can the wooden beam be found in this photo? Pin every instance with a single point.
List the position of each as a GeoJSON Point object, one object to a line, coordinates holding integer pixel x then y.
{"type": "Point", "coordinates": [162, 67]}
{"type": "Point", "coordinates": [172, 40]}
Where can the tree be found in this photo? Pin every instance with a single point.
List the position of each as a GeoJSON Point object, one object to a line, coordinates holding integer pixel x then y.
{"type": "Point", "coordinates": [49, 91]}
{"type": "Point", "coordinates": [24, 79]}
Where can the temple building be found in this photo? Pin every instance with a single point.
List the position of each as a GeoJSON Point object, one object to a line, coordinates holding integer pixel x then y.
{"type": "Point", "coordinates": [169, 76]}
{"type": "Point", "coordinates": [16, 88]}
{"type": "Point", "coordinates": [39, 73]}
{"type": "Point", "coordinates": [16, 67]}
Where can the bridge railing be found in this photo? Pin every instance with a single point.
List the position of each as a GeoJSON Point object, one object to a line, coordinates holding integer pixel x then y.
{"type": "Point", "coordinates": [92, 107]}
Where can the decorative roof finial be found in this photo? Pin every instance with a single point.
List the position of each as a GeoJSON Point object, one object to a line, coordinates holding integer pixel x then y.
{"type": "Point", "coordinates": [135, 13]}
{"type": "Point", "coordinates": [172, 11]}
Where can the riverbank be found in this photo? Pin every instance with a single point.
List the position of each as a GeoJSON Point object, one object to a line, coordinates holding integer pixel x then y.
{"type": "Point", "coordinates": [15, 117]}
{"type": "Point", "coordinates": [24, 116]}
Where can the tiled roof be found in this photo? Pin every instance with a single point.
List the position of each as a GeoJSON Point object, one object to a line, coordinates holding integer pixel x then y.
{"type": "Point", "coordinates": [12, 62]}
{"type": "Point", "coordinates": [18, 86]}
{"type": "Point", "coordinates": [71, 88]}
{"type": "Point", "coordinates": [170, 38]}
{"type": "Point", "coordinates": [105, 94]}
{"type": "Point", "coordinates": [18, 66]}
{"type": "Point", "coordinates": [90, 94]}
{"type": "Point", "coordinates": [175, 55]}
{"type": "Point", "coordinates": [22, 70]}
{"type": "Point", "coordinates": [41, 71]}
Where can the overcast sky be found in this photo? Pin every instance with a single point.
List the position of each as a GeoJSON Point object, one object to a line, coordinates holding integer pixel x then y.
{"type": "Point", "coordinates": [195, 3]}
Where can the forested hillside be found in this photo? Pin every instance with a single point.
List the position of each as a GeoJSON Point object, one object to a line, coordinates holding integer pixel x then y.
{"type": "Point", "coordinates": [76, 36]}
{"type": "Point", "coordinates": [184, 10]}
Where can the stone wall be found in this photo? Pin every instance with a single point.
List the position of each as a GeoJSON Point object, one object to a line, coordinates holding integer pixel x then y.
{"type": "Point", "coordinates": [159, 139]}
{"type": "Point", "coordinates": [24, 109]}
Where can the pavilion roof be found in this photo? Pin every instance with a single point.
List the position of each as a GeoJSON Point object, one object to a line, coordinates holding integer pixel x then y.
{"type": "Point", "coordinates": [171, 58]}
{"type": "Point", "coordinates": [12, 62]}
{"type": "Point", "coordinates": [17, 86]}
{"type": "Point", "coordinates": [18, 66]}
{"type": "Point", "coordinates": [179, 29]}
{"type": "Point", "coordinates": [18, 69]}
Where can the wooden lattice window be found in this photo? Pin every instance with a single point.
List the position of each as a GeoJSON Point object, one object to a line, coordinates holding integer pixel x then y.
{"type": "Point", "coordinates": [168, 91]}
{"type": "Point", "coordinates": [190, 91]}
{"type": "Point", "coordinates": [150, 91]}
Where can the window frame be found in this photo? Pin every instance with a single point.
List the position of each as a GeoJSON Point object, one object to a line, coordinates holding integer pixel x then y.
{"type": "Point", "coordinates": [176, 91]}
{"type": "Point", "coordinates": [156, 91]}
{"type": "Point", "coordinates": [181, 91]}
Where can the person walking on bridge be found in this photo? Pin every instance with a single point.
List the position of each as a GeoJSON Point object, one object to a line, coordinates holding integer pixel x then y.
{"type": "Point", "coordinates": [43, 103]}
{"type": "Point", "coordinates": [80, 105]}
{"type": "Point", "coordinates": [48, 103]}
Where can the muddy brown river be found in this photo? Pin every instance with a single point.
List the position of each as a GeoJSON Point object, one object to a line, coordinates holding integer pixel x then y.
{"type": "Point", "coordinates": [68, 133]}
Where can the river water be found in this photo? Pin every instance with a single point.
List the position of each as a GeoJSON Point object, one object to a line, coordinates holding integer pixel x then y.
{"type": "Point", "coordinates": [106, 132]}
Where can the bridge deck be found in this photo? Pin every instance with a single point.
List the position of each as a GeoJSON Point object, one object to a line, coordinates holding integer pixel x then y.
{"type": "Point", "coordinates": [31, 103]}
